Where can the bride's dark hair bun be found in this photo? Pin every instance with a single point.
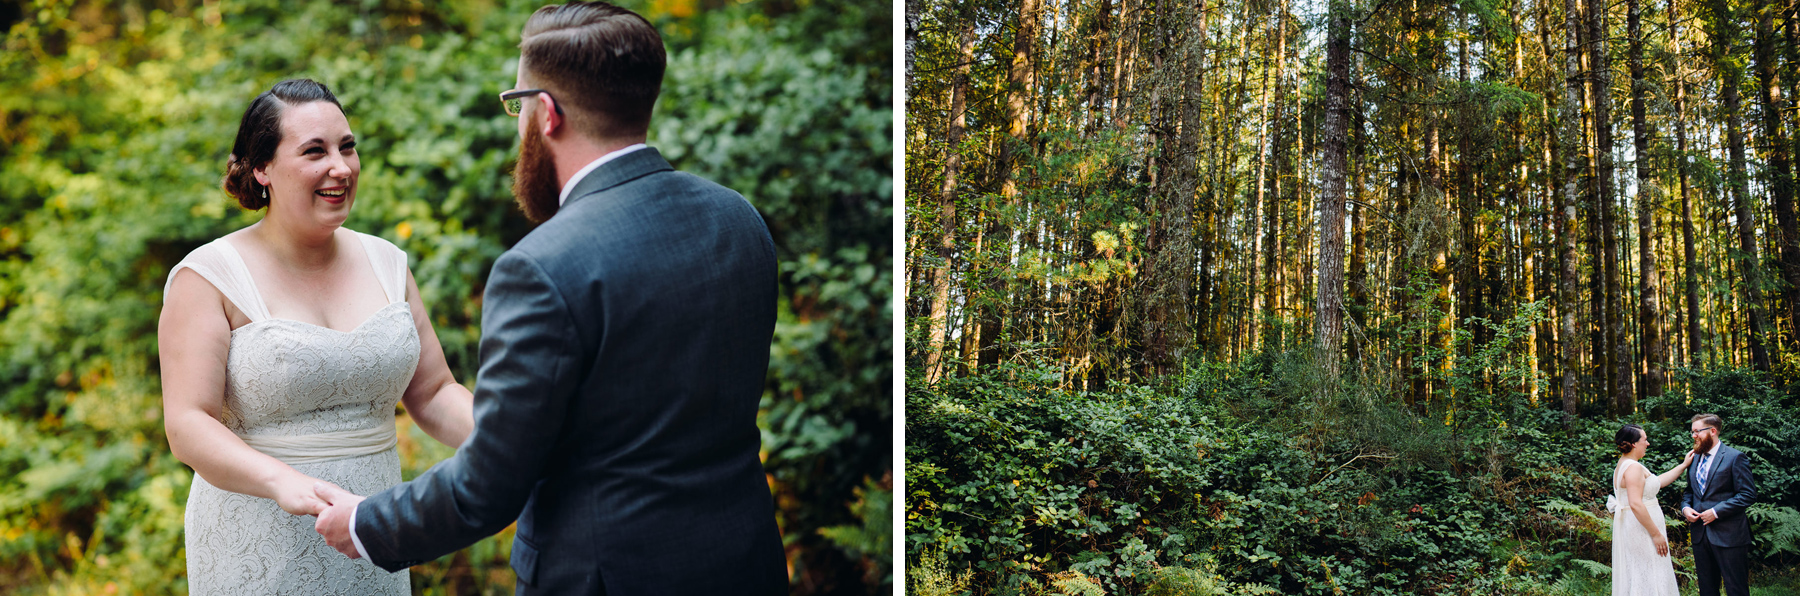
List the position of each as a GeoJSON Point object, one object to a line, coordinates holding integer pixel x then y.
{"type": "Point", "coordinates": [259, 133]}
{"type": "Point", "coordinates": [1627, 436]}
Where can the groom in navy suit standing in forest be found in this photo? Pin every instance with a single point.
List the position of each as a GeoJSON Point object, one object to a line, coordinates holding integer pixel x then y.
{"type": "Point", "coordinates": [1720, 488]}
{"type": "Point", "coordinates": [623, 350]}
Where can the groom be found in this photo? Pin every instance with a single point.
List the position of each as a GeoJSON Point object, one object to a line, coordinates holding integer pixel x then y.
{"type": "Point", "coordinates": [623, 349]}
{"type": "Point", "coordinates": [1720, 487]}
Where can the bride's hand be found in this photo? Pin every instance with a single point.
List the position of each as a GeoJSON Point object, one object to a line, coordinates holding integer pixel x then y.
{"type": "Point", "coordinates": [1689, 458]}
{"type": "Point", "coordinates": [1662, 544]}
{"type": "Point", "coordinates": [296, 496]}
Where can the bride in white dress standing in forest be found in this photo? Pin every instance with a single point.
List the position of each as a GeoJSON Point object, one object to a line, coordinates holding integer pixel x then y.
{"type": "Point", "coordinates": [285, 346]}
{"type": "Point", "coordinates": [1640, 545]}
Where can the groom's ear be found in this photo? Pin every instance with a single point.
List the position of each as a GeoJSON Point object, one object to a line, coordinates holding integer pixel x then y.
{"type": "Point", "coordinates": [553, 118]}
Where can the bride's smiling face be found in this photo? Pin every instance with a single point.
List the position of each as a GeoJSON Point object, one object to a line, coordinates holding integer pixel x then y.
{"type": "Point", "coordinates": [313, 175]}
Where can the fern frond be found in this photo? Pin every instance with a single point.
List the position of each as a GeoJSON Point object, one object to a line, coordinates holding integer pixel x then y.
{"type": "Point", "coordinates": [1594, 568]}
{"type": "Point", "coordinates": [1777, 529]}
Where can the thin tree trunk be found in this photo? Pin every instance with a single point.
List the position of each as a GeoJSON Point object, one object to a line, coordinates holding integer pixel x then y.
{"type": "Point", "coordinates": [1571, 144]}
{"type": "Point", "coordinates": [1695, 340]}
{"type": "Point", "coordinates": [940, 304]}
{"type": "Point", "coordinates": [1649, 195]}
{"type": "Point", "coordinates": [1259, 300]}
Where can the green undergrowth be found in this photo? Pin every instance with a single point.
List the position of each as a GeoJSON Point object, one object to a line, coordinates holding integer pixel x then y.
{"type": "Point", "coordinates": [1245, 479]}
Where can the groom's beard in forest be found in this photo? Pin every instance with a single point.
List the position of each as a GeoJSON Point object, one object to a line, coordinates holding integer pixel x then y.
{"type": "Point", "coordinates": [1704, 444]}
{"type": "Point", "coordinates": [534, 179]}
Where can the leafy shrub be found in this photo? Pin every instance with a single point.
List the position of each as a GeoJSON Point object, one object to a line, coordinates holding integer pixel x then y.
{"type": "Point", "coordinates": [930, 576]}
{"type": "Point", "coordinates": [112, 156]}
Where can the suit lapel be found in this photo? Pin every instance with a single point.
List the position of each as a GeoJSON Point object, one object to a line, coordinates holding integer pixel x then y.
{"type": "Point", "coordinates": [625, 168]}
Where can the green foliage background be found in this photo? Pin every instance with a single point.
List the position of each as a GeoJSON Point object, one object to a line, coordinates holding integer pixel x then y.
{"type": "Point", "coordinates": [115, 121]}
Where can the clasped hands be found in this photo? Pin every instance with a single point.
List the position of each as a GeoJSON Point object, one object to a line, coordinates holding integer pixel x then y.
{"type": "Point", "coordinates": [1705, 517]}
{"type": "Point", "coordinates": [333, 506]}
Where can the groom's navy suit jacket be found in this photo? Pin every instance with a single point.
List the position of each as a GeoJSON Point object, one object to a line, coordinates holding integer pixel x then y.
{"type": "Point", "coordinates": [1730, 490]}
{"type": "Point", "coordinates": [623, 351]}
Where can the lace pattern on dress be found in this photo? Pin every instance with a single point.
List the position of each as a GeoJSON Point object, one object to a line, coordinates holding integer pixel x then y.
{"type": "Point", "coordinates": [1637, 569]}
{"type": "Point", "coordinates": [287, 378]}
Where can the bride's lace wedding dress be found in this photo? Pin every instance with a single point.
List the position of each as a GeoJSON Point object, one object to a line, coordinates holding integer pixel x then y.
{"type": "Point", "coordinates": [318, 399]}
{"type": "Point", "coordinates": [1637, 570]}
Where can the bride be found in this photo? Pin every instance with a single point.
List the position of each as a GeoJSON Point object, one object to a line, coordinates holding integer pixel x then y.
{"type": "Point", "coordinates": [1641, 564]}
{"type": "Point", "coordinates": [285, 346]}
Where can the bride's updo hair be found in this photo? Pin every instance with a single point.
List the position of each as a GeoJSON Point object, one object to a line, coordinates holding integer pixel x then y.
{"type": "Point", "coordinates": [259, 133]}
{"type": "Point", "coordinates": [1627, 437]}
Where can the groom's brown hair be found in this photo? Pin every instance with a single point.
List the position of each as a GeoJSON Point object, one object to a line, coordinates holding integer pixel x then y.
{"type": "Point", "coordinates": [603, 63]}
{"type": "Point", "coordinates": [1711, 420]}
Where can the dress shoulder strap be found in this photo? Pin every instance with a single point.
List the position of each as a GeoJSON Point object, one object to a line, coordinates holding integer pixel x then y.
{"type": "Point", "coordinates": [389, 263]}
{"type": "Point", "coordinates": [219, 263]}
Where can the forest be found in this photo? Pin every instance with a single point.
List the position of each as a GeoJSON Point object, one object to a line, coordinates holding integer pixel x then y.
{"type": "Point", "coordinates": [1338, 296]}
{"type": "Point", "coordinates": [116, 120]}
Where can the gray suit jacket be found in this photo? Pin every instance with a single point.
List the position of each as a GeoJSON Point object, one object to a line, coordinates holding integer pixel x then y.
{"type": "Point", "coordinates": [1730, 490]}
{"type": "Point", "coordinates": [623, 350]}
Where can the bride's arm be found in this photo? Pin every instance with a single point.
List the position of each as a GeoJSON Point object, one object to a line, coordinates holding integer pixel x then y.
{"type": "Point", "coordinates": [193, 337]}
{"type": "Point", "coordinates": [440, 406]}
{"type": "Point", "coordinates": [1667, 478]}
{"type": "Point", "coordinates": [1634, 492]}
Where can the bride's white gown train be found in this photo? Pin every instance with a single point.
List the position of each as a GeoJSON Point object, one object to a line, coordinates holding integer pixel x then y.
{"type": "Point", "coordinates": [1637, 570]}
{"type": "Point", "coordinates": [318, 399]}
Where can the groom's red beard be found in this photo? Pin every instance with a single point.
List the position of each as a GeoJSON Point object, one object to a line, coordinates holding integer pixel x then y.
{"type": "Point", "coordinates": [1704, 445]}
{"type": "Point", "coordinates": [534, 178]}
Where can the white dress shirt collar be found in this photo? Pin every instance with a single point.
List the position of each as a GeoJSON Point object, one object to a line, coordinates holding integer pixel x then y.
{"type": "Point", "coordinates": [583, 172]}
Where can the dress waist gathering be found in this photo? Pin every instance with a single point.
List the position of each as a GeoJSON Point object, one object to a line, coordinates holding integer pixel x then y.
{"type": "Point", "coordinates": [307, 449]}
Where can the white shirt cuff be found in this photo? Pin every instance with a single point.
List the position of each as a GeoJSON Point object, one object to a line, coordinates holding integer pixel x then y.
{"type": "Point", "coordinates": [353, 539]}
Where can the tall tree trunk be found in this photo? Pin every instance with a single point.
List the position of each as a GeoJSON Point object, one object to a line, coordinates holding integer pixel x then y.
{"type": "Point", "coordinates": [1466, 274]}
{"type": "Point", "coordinates": [1624, 397]}
{"type": "Point", "coordinates": [1571, 143]}
{"type": "Point", "coordinates": [1444, 320]}
{"type": "Point", "coordinates": [1358, 312]}
{"type": "Point", "coordinates": [1172, 274]}
{"type": "Point", "coordinates": [1274, 244]}
{"type": "Point", "coordinates": [1730, 79]}
{"type": "Point", "coordinates": [1261, 234]}
{"type": "Point", "coordinates": [1330, 308]}
{"type": "Point", "coordinates": [940, 303]}
{"type": "Point", "coordinates": [1019, 87]}
{"type": "Point", "coordinates": [1690, 271]}
{"type": "Point", "coordinates": [1649, 196]}
{"type": "Point", "coordinates": [1526, 219]}
{"type": "Point", "coordinates": [1780, 172]}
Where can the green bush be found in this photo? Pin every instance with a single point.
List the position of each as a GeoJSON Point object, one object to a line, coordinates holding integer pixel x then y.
{"type": "Point", "coordinates": [114, 129]}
